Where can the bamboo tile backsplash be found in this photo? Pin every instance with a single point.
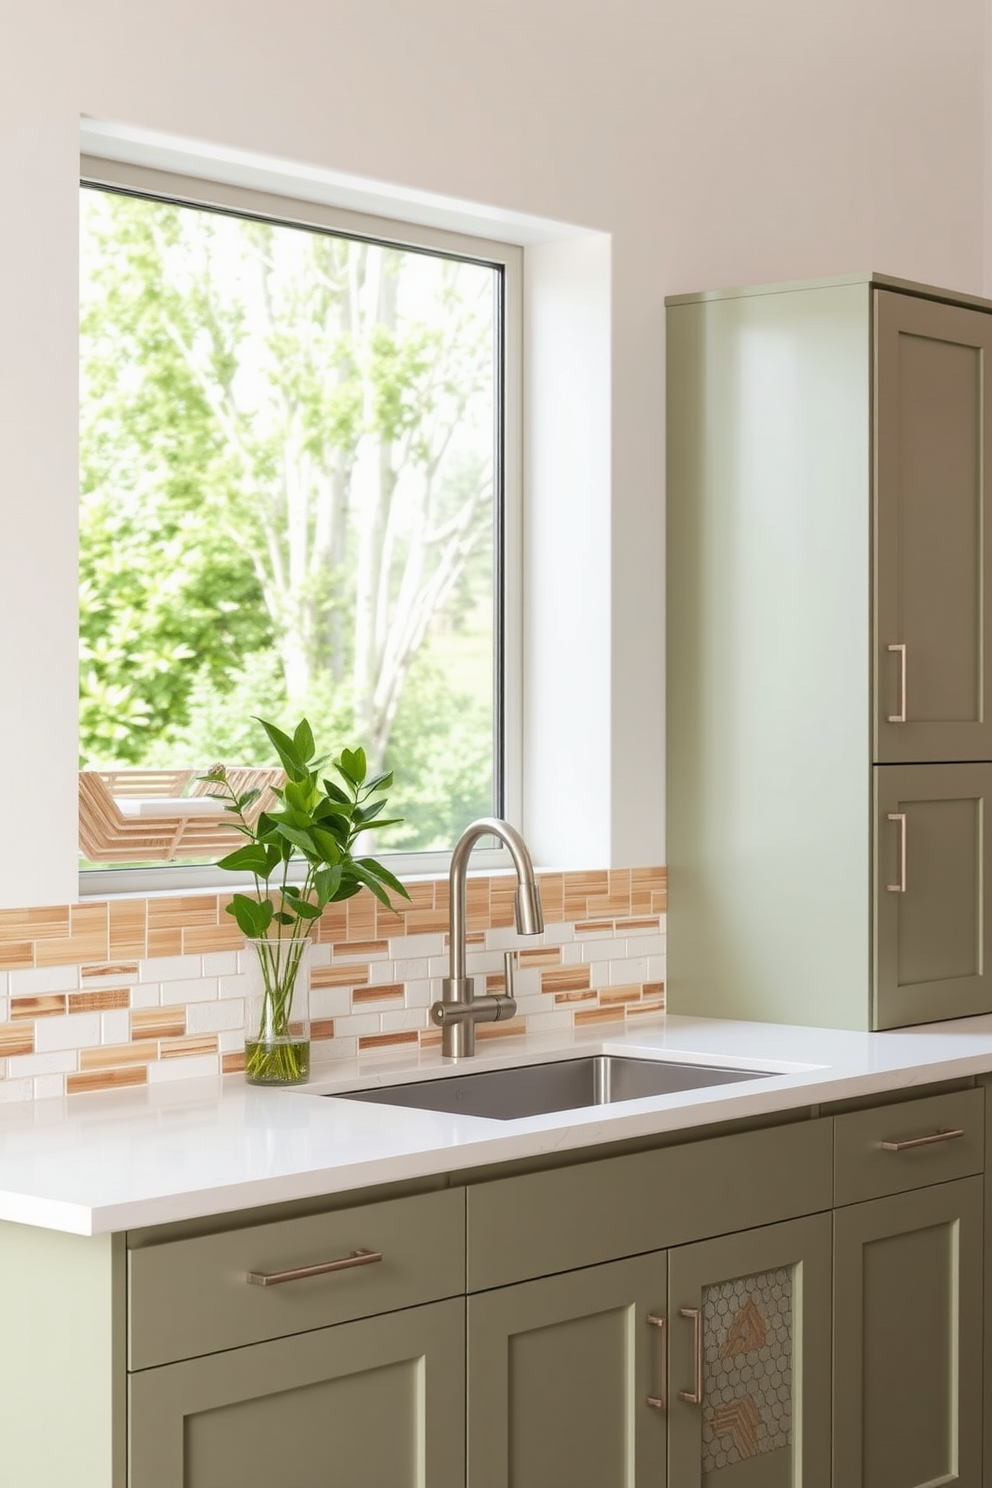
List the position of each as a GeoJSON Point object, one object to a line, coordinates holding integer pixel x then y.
{"type": "Point", "coordinates": [132, 991]}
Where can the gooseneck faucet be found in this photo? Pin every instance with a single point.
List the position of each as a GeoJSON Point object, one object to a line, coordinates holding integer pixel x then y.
{"type": "Point", "coordinates": [459, 1009]}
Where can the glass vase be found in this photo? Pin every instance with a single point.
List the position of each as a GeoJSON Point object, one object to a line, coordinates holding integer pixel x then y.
{"type": "Point", "coordinates": [277, 1011]}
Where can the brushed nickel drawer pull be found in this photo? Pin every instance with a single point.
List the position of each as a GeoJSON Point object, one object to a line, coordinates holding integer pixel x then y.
{"type": "Point", "coordinates": [345, 1263]}
{"type": "Point", "coordinates": [660, 1401]}
{"type": "Point", "coordinates": [900, 717]}
{"type": "Point", "coordinates": [900, 887]}
{"type": "Point", "coordinates": [695, 1395]}
{"type": "Point", "coordinates": [945, 1135]}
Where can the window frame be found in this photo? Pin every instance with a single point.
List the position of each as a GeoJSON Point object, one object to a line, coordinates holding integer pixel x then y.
{"type": "Point", "coordinates": [194, 191]}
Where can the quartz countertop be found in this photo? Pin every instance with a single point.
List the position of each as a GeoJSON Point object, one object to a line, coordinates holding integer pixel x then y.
{"type": "Point", "coordinates": [90, 1164]}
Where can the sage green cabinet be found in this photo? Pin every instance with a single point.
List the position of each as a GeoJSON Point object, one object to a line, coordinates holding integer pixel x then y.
{"type": "Point", "coordinates": [749, 1396]}
{"type": "Point", "coordinates": [908, 1339]}
{"type": "Point", "coordinates": [368, 1404]}
{"type": "Point", "coordinates": [561, 1373]}
{"type": "Point", "coordinates": [933, 892]}
{"type": "Point", "coordinates": [933, 625]}
{"type": "Point", "coordinates": [829, 530]}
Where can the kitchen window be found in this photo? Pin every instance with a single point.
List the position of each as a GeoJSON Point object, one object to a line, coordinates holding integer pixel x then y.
{"type": "Point", "coordinates": [300, 494]}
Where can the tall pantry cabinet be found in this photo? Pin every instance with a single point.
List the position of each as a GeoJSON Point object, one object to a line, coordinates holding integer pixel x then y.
{"type": "Point", "coordinates": [829, 688]}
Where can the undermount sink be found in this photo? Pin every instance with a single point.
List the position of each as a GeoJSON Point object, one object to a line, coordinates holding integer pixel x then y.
{"type": "Point", "coordinates": [561, 1085]}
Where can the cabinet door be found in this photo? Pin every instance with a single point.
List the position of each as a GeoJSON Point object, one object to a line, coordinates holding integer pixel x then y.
{"type": "Point", "coordinates": [908, 1339]}
{"type": "Point", "coordinates": [933, 646]}
{"type": "Point", "coordinates": [363, 1404]}
{"type": "Point", "coordinates": [933, 881]}
{"type": "Point", "coordinates": [559, 1375]}
{"type": "Point", "coordinates": [749, 1392]}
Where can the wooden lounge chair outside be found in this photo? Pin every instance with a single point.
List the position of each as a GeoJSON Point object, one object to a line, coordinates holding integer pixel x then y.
{"type": "Point", "coordinates": [108, 835]}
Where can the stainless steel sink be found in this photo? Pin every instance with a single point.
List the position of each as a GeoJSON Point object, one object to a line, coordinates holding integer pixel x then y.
{"type": "Point", "coordinates": [561, 1085]}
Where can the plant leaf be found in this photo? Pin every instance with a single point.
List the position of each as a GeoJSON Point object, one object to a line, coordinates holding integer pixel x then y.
{"type": "Point", "coordinates": [251, 858]}
{"type": "Point", "coordinates": [372, 866]}
{"type": "Point", "coordinates": [253, 916]}
{"type": "Point", "coordinates": [286, 750]}
{"type": "Point", "coordinates": [303, 740]}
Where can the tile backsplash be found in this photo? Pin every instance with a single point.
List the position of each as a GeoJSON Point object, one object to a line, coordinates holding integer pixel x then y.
{"type": "Point", "coordinates": [133, 991]}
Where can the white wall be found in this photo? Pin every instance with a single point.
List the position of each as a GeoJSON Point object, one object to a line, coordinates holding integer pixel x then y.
{"type": "Point", "coordinates": [716, 141]}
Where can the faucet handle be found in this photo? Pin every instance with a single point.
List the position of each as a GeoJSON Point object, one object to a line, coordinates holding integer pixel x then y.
{"type": "Point", "coordinates": [509, 957]}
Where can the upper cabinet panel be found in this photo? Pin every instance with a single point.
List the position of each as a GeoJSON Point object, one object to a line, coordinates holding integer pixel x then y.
{"type": "Point", "coordinates": [933, 408]}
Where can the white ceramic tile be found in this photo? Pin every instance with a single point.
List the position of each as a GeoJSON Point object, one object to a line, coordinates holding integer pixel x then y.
{"type": "Point", "coordinates": [599, 950]}
{"type": "Point", "coordinates": [39, 981]}
{"type": "Point", "coordinates": [165, 1070]}
{"type": "Point", "coordinates": [75, 1031]}
{"type": "Point", "coordinates": [405, 946]}
{"type": "Point", "coordinates": [382, 973]}
{"type": "Point", "coordinates": [357, 1025]}
{"type": "Point", "coordinates": [48, 1085]}
{"type": "Point", "coordinates": [233, 986]}
{"type": "Point", "coordinates": [198, 989]}
{"type": "Point", "coordinates": [645, 945]}
{"type": "Point", "coordinates": [220, 963]}
{"type": "Point", "coordinates": [330, 1002]}
{"type": "Point", "coordinates": [402, 1018]}
{"type": "Point", "coordinates": [211, 1017]}
{"type": "Point", "coordinates": [628, 970]}
{"type": "Point", "coordinates": [146, 995]}
{"type": "Point", "coordinates": [412, 968]}
{"type": "Point", "coordinates": [169, 968]}
{"type": "Point", "coordinates": [115, 1026]}
{"type": "Point", "coordinates": [12, 1091]}
{"type": "Point", "coordinates": [20, 1065]}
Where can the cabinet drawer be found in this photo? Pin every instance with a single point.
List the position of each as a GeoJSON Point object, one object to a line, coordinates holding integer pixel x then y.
{"type": "Point", "coordinates": [190, 1297]}
{"type": "Point", "coordinates": [864, 1168]}
{"type": "Point", "coordinates": [541, 1223]}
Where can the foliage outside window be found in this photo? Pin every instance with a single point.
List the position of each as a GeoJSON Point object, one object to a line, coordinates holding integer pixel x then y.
{"type": "Point", "coordinates": [289, 501]}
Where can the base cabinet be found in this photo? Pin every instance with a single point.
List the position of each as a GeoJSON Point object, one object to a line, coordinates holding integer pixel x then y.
{"type": "Point", "coordinates": [365, 1404]}
{"type": "Point", "coordinates": [560, 1371]}
{"type": "Point", "coordinates": [705, 1366]}
{"type": "Point", "coordinates": [908, 1339]}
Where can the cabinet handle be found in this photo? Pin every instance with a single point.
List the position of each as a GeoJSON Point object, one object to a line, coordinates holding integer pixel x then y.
{"type": "Point", "coordinates": [344, 1263]}
{"type": "Point", "coordinates": [900, 887]}
{"type": "Point", "coordinates": [695, 1395]}
{"type": "Point", "coordinates": [937, 1136]}
{"type": "Point", "coordinates": [900, 717]}
{"type": "Point", "coordinates": [660, 1401]}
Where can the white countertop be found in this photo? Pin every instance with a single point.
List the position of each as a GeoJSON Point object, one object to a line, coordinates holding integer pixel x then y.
{"type": "Point", "coordinates": [89, 1164]}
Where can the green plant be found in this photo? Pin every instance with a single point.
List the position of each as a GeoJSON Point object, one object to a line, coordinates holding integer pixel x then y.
{"type": "Point", "coordinates": [317, 822]}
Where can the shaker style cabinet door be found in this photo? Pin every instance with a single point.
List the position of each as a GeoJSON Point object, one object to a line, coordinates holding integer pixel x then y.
{"type": "Point", "coordinates": [365, 1404]}
{"type": "Point", "coordinates": [933, 881]}
{"type": "Point", "coordinates": [749, 1377]}
{"type": "Point", "coordinates": [908, 1339]}
{"type": "Point", "coordinates": [933, 645]}
{"type": "Point", "coordinates": [566, 1380]}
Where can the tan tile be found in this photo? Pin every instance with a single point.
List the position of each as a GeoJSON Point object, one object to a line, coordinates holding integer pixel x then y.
{"type": "Point", "coordinates": [593, 927]}
{"type": "Point", "coordinates": [223, 937]}
{"type": "Point", "coordinates": [322, 1028]}
{"type": "Point", "coordinates": [123, 970]}
{"type": "Point", "coordinates": [598, 1015]}
{"type": "Point", "coordinates": [539, 956]}
{"type": "Point", "coordinates": [128, 920]}
{"type": "Point", "coordinates": [495, 983]}
{"type": "Point", "coordinates": [34, 924]}
{"type": "Point", "coordinates": [100, 1002]}
{"type": "Point", "coordinates": [16, 1038]}
{"type": "Point", "coordinates": [574, 906]}
{"type": "Point", "coordinates": [426, 921]}
{"type": "Point", "coordinates": [105, 1079]}
{"type": "Point", "coordinates": [338, 976]}
{"type": "Point", "coordinates": [421, 896]}
{"type": "Point", "coordinates": [513, 1029]}
{"type": "Point", "coordinates": [610, 996]}
{"type": "Point", "coordinates": [179, 914]}
{"type": "Point", "coordinates": [565, 979]}
{"type": "Point", "coordinates": [430, 1038]}
{"type": "Point", "coordinates": [619, 880]}
{"type": "Point", "coordinates": [158, 1022]}
{"type": "Point", "coordinates": [563, 997]}
{"type": "Point", "coordinates": [646, 922]}
{"type": "Point", "coordinates": [388, 992]}
{"type": "Point", "coordinates": [91, 945]}
{"type": "Point", "coordinates": [234, 1063]}
{"type": "Point", "coordinates": [654, 1006]}
{"type": "Point", "coordinates": [17, 955]}
{"type": "Point", "coordinates": [659, 902]}
{"type": "Point", "coordinates": [587, 880]}
{"type": "Point", "coordinates": [607, 904]}
{"type": "Point", "coordinates": [654, 989]}
{"type": "Point", "coordinates": [385, 1040]}
{"type": "Point", "coordinates": [333, 924]}
{"type": "Point", "coordinates": [89, 919]}
{"type": "Point", "coordinates": [187, 1048]}
{"type": "Point", "coordinates": [167, 941]}
{"type": "Point", "coordinates": [110, 1056]}
{"type": "Point", "coordinates": [48, 1006]}
{"type": "Point", "coordinates": [361, 916]}
{"type": "Point", "coordinates": [369, 948]}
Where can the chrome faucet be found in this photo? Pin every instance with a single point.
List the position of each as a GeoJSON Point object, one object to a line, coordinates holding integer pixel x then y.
{"type": "Point", "coordinates": [459, 1009]}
